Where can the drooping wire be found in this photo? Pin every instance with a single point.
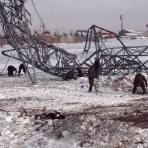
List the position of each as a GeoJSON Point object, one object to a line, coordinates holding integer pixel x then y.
{"type": "Point", "coordinates": [1, 74]}
{"type": "Point", "coordinates": [87, 45]}
{"type": "Point", "coordinates": [78, 61]}
{"type": "Point", "coordinates": [40, 19]}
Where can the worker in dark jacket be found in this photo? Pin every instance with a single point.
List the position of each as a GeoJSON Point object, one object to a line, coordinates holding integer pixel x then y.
{"type": "Point", "coordinates": [97, 67]}
{"type": "Point", "coordinates": [91, 76]}
{"type": "Point", "coordinates": [141, 81]}
{"type": "Point", "coordinates": [22, 67]}
{"type": "Point", "coordinates": [70, 75]}
{"type": "Point", "coordinates": [11, 69]}
{"type": "Point", "coordinates": [80, 72]}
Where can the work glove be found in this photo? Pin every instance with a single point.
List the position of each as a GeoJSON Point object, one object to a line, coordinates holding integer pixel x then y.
{"type": "Point", "coordinates": [95, 80]}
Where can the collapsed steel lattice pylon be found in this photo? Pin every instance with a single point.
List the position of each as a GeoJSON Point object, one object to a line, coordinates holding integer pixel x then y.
{"type": "Point", "coordinates": [56, 61]}
{"type": "Point", "coordinates": [114, 60]}
{"type": "Point", "coordinates": [47, 57]}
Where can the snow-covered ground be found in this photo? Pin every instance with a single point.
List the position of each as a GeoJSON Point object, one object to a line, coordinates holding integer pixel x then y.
{"type": "Point", "coordinates": [112, 118]}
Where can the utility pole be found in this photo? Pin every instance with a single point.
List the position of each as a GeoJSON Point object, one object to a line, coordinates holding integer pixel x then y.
{"type": "Point", "coordinates": [121, 18]}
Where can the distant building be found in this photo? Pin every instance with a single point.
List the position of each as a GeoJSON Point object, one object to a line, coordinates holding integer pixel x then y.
{"type": "Point", "coordinates": [122, 33]}
{"type": "Point", "coordinates": [106, 35]}
{"type": "Point", "coordinates": [47, 33]}
{"type": "Point", "coordinates": [145, 34]}
{"type": "Point", "coordinates": [132, 34]}
{"type": "Point", "coordinates": [80, 33]}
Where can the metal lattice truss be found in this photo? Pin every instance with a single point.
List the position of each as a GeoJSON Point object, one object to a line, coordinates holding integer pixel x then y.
{"type": "Point", "coordinates": [36, 49]}
{"type": "Point", "coordinates": [47, 58]}
{"type": "Point", "coordinates": [33, 49]}
{"type": "Point", "coordinates": [114, 60]}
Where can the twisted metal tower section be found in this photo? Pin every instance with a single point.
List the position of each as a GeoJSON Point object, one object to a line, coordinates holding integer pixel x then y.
{"type": "Point", "coordinates": [31, 49]}
{"type": "Point", "coordinates": [114, 60]}
{"type": "Point", "coordinates": [36, 50]}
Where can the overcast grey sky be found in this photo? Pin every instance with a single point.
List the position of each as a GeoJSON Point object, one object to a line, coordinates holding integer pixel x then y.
{"type": "Point", "coordinates": [82, 14]}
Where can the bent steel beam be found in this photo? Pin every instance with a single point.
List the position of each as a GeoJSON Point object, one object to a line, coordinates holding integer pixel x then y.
{"type": "Point", "coordinates": [47, 57]}
{"type": "Point", "coordinates": [114, 60]}
{"type": "Point", "coordinates": [56, 61]}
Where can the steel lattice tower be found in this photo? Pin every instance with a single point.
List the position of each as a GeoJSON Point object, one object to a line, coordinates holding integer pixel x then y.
{"type": "Point", "coordinates": [14, 19]}
{"type": "Point", "coordinates": [36, 49]}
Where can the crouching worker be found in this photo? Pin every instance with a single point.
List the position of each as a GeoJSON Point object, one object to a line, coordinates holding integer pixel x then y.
{"type": "Point", "coordinates": [141, 81]}
{"type": "Point", "coordinates": [22, 67]}
{"type": "Point", "coordinates": [11, 69]}
{"type": "Point", "coordinates": [70, 75]}
{"type": "Point", "coordinates": [80, 72]}
{"type": "Point", "coordinates": [91, 76]}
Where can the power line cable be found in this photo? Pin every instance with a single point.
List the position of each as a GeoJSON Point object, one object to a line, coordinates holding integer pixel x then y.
{"type": "Point", "coordinates": [40, 18]}
{"type": "Point", "coordinates": [4, 67]}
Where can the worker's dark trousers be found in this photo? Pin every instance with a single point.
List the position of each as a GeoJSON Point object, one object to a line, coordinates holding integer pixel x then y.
{"type": "Point", "coordinates": [142, 86]}
{"type": "Point", "coordinates": [91, 83]}
{"type": "Point", "coordinates": [97, 73]}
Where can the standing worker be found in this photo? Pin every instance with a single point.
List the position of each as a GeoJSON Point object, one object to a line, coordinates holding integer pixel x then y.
{"type": "Point", "coordinates": [141, 81]}
{"type": "Point", "coordinates": [97, 67]}
{"type": "Point", "coordinates": [91, 76]}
